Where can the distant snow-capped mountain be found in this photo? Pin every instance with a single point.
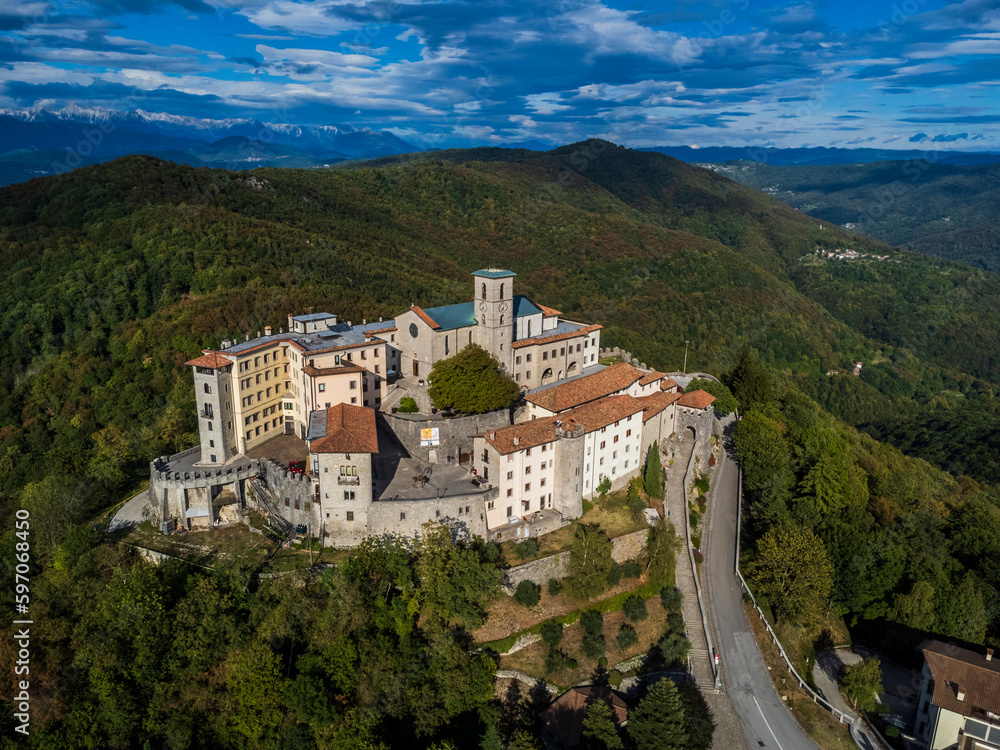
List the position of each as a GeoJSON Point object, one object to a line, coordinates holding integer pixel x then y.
{"type": "Point", "coordinates": [43, 141]}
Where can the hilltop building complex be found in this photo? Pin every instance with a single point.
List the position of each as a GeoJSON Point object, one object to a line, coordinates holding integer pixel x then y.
{"type": "Point", "coordinates": [301, 423]}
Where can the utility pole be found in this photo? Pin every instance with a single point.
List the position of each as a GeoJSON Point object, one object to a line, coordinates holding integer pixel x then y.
{"type": "Point", "coordinates": [686, 342]}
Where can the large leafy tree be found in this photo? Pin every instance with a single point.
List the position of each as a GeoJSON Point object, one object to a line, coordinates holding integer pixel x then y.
{"type": "Point", "coordinates": [863, 682]}
{"type": "Point", "coordinates": [657, 723]}
{"type": "Point", "coordinates": [589, 562]}
{"type": "Point", "coordinates": [792, 571]}
{"type": "Point", "coordinates": [471, 382]}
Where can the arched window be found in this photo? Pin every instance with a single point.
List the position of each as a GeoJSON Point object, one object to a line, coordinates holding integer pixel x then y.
{"type": "Point", "coordinates": [208, 389]}
{"type": "Point", "coordinates": [529, 329]}
{"type": "Point", "coordinates": [501, 291]}
{"type": "Point", "coordinates": [484, 291]}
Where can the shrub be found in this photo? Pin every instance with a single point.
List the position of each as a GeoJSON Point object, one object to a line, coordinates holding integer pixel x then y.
{"type": "Point", "coordinates": [892, 732]}
{"type": "Point", "coordinates": [671, 598]}
{"type": "Point", "coordinates": [555, 587]}
{"type": "Point", "coordinates": [635, 608]}
{"type": "Point", "coordinates": [593, 646]}
{"type": "Point", "coordinates": [615, 679]}
{"type": "Point", "coordinates": [614, 575]}
{"type": "Point", "coordinates": [552, 633]}
{"type": "Point", "coordinates": [604, 486]}
{"type": "Point", "coordinates": [527, 548]}
{"type": "Point", "coordinates": [592, 622]}
{"type": "Point", "coordinates": [696, 541]}
{"type": "Point", "coordinates": [631, 569]}
{"type": "Point", "coordinates": [557, 661]}
{"type": "Point", "coordinates": [627, 637]}
{"type": "Point", "coordinates": [528, 593]}
{"type": "Point", "coordinates": [407, 405]}
{"type": "Point", "coordinates": [587, 505]}
{"type": "Point", "coordinates": [675, 623]}
{"type": "Point", "coordinates": [698, 557]}
{"type": "Point", "coordinates": [701, 484]}
{"type": "Point", "coordinates": [695, 518]}
{"type": "Point", "coordinates": [602, 662]}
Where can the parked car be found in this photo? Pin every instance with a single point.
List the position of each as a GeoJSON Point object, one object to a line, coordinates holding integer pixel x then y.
{"type": "Point", "coordinates": [296, 467]}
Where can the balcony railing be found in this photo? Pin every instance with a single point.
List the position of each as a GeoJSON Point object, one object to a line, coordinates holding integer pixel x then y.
{"type": "Point", "coordinates": [348, 480]}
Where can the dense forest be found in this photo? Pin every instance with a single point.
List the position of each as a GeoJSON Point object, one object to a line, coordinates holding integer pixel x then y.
{"type": "Point", "coordinates": [925, 205]}
{"type": "Point", "coordinates": [120, 272]}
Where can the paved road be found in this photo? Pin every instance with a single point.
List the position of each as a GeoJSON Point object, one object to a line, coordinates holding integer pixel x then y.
{"type": "Point", "coordinates": [131, 513]}
{"type": "Point", "coordinates": [766, 722]}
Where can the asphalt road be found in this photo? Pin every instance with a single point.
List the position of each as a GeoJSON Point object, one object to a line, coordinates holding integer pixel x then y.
{"type": "Point", "coordinates": [767, 723]}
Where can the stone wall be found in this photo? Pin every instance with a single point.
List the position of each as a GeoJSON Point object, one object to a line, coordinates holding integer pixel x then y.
{"type": "Point", "coordinates": [294, 495]}
{"type": "Point", "coordinates": [626, 547]}
{"type": "Point", "coordinates": [465, 515]}
{"type": "Point", "coordinates": [624, 355]}
{"type": "Point", "coordinates": [455, 433]}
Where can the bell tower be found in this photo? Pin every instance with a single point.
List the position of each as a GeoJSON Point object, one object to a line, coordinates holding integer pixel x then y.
{"type": "Point", "coordinates": [493, 290]}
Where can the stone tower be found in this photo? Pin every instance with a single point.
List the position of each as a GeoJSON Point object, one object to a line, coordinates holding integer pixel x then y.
{"type": "Point", "coordinates": [212, 383]}
{"type": "Point", "coordinates": [494, 305]}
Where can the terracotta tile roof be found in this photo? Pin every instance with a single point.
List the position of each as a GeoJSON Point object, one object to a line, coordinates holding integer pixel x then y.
{"type": "Point", "coordinates": [349, 429]}
{"type": "Point", "coordinates": [957, 669]}
{"type": "Point", "coordinates": [590, 417]}
{"type": "Point", "coordinates": [588, 388]}
{"type": "Point", "coordinates": [667, 384]}
{"type": "Point", "coordinates": [564, 716]}
{"type": "Point", "coordinates": [337, 370]}
{"type": "Point", "coordinates": [651, 377]}
{"type": "Point", "coordinates": [654, 403]}
{"type": "Point", "coordinates": [210, 359]}
{"type": "Point", "coordinates": [557, 337]}
{"type": "Point", "coordinates": [548, 312]}
{"type": "Point", "coordinates": [696, 399]}
{"type": "Point", "coordinates": [424, 317]}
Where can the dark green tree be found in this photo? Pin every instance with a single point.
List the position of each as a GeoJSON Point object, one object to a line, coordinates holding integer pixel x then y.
{"type": "Point", "coordinates": [471, 382]}
{"type": "Point", "coordinates": [658, 723]}
{"type": "Point", "coordinates": [653, 475]}
{"type": "Point", "coordinates": [527, 593]}
{"type": "Point", "coordinates": [863, 684]}
{"type": "Point", "coordinates": [750, 381]}
{"type": "Point", "coordinates": [599, 731]}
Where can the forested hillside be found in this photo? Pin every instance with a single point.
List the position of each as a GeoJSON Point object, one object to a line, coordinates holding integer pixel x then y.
{"type": "Point", "coordinates": [934, 208]}
{"type": "Point", "coordinates": [118, 273]}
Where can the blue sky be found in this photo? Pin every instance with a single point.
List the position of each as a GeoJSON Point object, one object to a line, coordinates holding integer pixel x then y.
{"type": "Point", "coordinates": [878, 73]}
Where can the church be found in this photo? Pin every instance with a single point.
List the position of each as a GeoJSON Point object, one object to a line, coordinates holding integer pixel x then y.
{"type": "Point", "coordinates": [530, 341]}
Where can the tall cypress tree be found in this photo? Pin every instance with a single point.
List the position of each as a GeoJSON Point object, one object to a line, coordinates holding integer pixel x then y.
{"type": "Point", "coordinates": [653, 477]}
{"type": "Point", "coordinates": [657, 723]}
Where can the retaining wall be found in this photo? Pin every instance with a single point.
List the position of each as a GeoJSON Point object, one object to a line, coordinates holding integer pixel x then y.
{"type": "Point", "coordinates": [623, 548]}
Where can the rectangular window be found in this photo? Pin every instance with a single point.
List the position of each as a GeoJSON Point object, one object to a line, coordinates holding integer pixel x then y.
{"type": "Point", "coordinates": [562, 351]}
{"type": "Point", "coordinates": [545, 356]}
{"type": "Point", "coordinates": [402, 516]}
{"type": "Point", "coordinates": [354, 399]}
{"type": "Point", "coordinates": [615, 440]}
{"type": "Point", "coordinates": [541, 483]}
{"type": "Point", "coordinates": [510, 493]}
{"type": "Point", "coordinates": [354, 385]}
{"type": "Point", "coordinates": [527, 470]}
{"type": "Point", "coordinates": [489, 505]}
{"type": "Point", "coordinates": [528, 452]}
{"type": "Point", "coordinates": [350, 515]}
{"type": "Point", "coordinates": [527, 357]}
{"type": "Point", "coordinates": [377, 370]}
{"type": "Point", "coordinates": [528, 375]}
{"type": "Point", "coordinates": [510, 511]}
{"type": "Point", "coordinates": [510, 474]}
{"type": "Point", "coordinates": [517, 377]}
{"type": "Point", "coordinates": [364, 354]}
{"type": "Point", "coordinates": [602, 444]}
{"type": "Point", "coordinates": [628, 433]}
{"type": "Point", "coordinates": [527, 486]}
{"type": "Point", "coordinates": [517, 360]}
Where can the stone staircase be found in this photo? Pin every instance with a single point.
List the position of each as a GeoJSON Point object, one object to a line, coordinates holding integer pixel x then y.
{"type": "Point", "coordinates": [699, 659]}
{"type": "Point", "coordinates": [265, 499]}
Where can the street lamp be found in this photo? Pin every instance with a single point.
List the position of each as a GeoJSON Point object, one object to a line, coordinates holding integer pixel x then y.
{"type": "Point", "coordinates": [686, 342]}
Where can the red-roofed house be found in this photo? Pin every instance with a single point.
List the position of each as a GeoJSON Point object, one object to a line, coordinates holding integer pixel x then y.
{"type": "Point", "coordinates": [960, 700]}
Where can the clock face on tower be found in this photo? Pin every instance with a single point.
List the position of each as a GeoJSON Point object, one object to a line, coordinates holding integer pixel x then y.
{"type": "Point", "coordinates": [503, 307]}
{"type": "Point", "coordinates": [413, 330]}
